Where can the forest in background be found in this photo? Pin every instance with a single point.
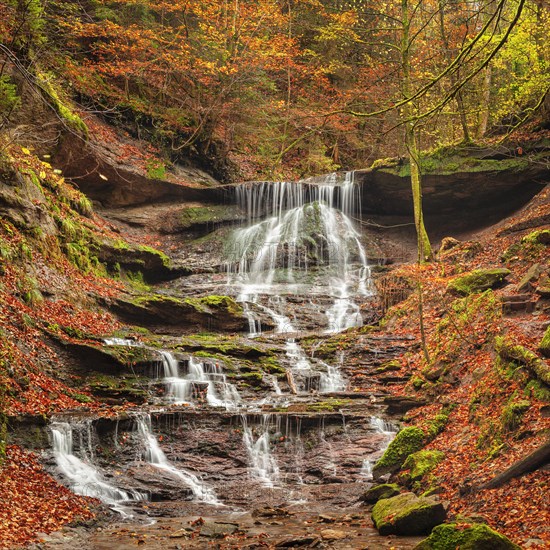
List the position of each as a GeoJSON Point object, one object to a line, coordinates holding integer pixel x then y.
{"type": "Point", "coordinates": [280, 88]}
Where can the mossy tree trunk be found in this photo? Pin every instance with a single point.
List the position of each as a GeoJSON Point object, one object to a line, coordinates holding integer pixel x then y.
{"type": "Point", "coordinates": [424, 246]}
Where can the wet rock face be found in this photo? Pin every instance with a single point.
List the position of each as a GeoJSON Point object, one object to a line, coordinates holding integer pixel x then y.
{"type": "Point", "coordinates": [219, 313]}
{"type": "Point", "coordinates": [488, 189]}
{"type": "Point", "coordinates": [314, 450]}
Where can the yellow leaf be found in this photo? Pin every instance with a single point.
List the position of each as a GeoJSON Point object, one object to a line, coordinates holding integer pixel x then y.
{"type": "Point", "coordinates": [25, 150]}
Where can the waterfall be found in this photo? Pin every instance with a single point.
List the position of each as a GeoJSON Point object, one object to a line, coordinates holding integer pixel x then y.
{"type": "Point", "coordinates": [262, 463]}
{"type": "Point", "coordinates": [121, 342]}
{"type": "Point", "coordinates": [366, 470]}
{"type": "Point", "coordinates": [202, 381]}
{"type": "Point", "coordinates": [83, 477]}
{"type": "Point", "coordinates": [380, 426]}
{"type": "Point", "coordinates": [156, 457]}
{"type": "Point", "coordinates": [300, 240]}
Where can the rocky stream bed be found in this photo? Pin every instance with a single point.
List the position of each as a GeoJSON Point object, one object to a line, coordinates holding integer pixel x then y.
{"type": "Point", "coordinates": [249, 428]}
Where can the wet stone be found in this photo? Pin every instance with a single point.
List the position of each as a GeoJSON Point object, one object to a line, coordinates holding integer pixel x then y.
{"type": "Point", "coordinates": [214, 529]}
{"type": "Point", "coordinates": [333, 534]}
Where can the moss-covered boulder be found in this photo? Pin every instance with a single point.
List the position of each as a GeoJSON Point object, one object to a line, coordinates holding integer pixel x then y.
{"type": "Point", "coordinates": [477, 537]}
{"type": "Point", "coordinates": [422, 463]}
{"type": "Point", "coordinates": [110, 359]}
{"type": "Point", "coordinates": [478, 280]}
{"type": "Point", "coordinates": [541, 236]}
{"type": "Point", "coordinates": [407, 441]}
{"type": "Point", "coordinates": [544, 346]}
{"type": "Point", "coordinates": [510, 352]}
{"type": "Point", "coordinates": [532, 275]}
{"type": "Point", "coordinates": [407, 515]}
{"type": "Point", "coordinates": [378, 492]}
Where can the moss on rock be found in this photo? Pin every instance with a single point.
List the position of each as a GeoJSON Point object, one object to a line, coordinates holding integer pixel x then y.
{"type": "Point", "coordinates": [407, 515]}
{"type": "Point", "coordinates": [512, 413]}
{"type": "Point", "coordinates": [422, 463]}
{"type": "Point", "coordinates": [407, 441]}
{"type": "Point", "coordinates": [544, 346]}
{"type": "Point", "coordinates": [221, 302]}
{"type": "Point", "coordinates": [523, 356]}
{"type": "Point", "coordinates": [477, 537]}
{"type": "Point", "coordinates": [541, 236]}
{"type": "Point", "coordinates": [478, 281]}
{"type": "Point", "coordinates": [378, 492]}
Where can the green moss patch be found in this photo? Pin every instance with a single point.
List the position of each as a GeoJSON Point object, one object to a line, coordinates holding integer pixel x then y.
{"type": "Point", "coordinates": [407, 441]}
{"type": "Point", "coordinates": [422, 463]}
{"type": "Point", "coordinates": [476, 537]}
{"type": "Point", "coordinates": [225, 345]}
{"type": "Point", "coordinates": [378, 492]}
{"type": "Point", "coordinates": [329, 405]}
{"type": "Point", "coordinates": [478, 281]}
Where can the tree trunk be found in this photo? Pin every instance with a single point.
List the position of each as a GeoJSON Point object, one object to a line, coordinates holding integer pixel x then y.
{"type": "Point", "coordinates": [485, 107]}
{"type": "Point", "coordinates": [532, 462]}
{"type": "Point", "coordinates": [423, 242]}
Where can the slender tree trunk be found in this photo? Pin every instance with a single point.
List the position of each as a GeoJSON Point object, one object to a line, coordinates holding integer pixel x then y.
{"type": "Point", "coordinates": [486, 96]}
{"type": "Point", "coordinates": [448, 58]}
{"type": "Point", "coordinates": [424, 247]}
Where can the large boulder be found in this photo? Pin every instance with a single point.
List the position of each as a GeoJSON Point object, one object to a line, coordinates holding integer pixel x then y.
{"type": "Point", "coordinates": [152, 264]}
{"type": "Point", "coordinates": [476, 537]}
{"type": "Point", "coordinates": [478, 280]}
{"type": "Point", "coordinates": [213, 312]}
{"type": "Point", "coordinates": [407, 515]}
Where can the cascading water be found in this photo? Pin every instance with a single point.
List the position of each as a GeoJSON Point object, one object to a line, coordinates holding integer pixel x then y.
{"type": "Point", "coordinates": [155, 456]}
{"type": "Point", "coordinates": [83, 477]}
{"type": "Point", "coordinates": [380, 426]}
{"type": "Point", "coordinates": [263, 465]}
{"type": "Point", "coordinates": [305, 246]}
{"type": "Point", "coordinates": [203, 380]}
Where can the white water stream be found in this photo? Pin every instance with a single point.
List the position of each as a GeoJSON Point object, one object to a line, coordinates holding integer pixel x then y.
{"type": "Point", "coordinates": [156, 457]}
{"type": "Point", "coordinates": [84, 478]}
{"type": "Point", "coordinates": [380, 426]}
{"type": "Point", "coordinates": [263, 465]}
{"type": "Point", "coordinates": [204, 380]}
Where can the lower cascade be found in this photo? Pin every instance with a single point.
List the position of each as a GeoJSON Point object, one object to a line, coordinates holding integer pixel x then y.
{"type": "Point", "coordinates": [263, 465]}
{"type": "Point", "coordinates": [155, 456]}
{"type": "Point", "coordinates": [83, 477]}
